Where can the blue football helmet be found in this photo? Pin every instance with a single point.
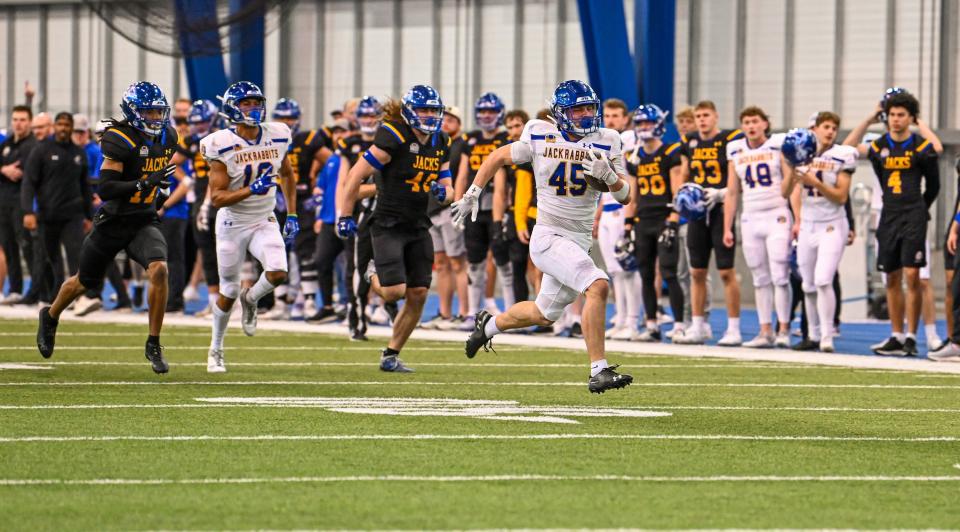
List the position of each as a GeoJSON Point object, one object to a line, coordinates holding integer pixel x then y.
{"type": "Point", "coordinates": [422, 97]}
{"type": "Point", "coordinates": [489, 101]}
{"type": "Point", "coordinates": [689, 201]}
{"type": "Point", "coordinates": [799, 147]}
{"type": "Point", "coordinates": [574, 93]}
{"type": "Point", "coordinates": [887, 94]}
{"type": "Point", "coordinates": [649, 112]}
{"type": "Point", "coordinates": [242, 90]}
{"type": "Point", "coordinates": [286, 108]}
{"type": "Point", "coordinates": [625, 253]}
{"type": "Point", "coordinates": [143, 96]}
{"type": "Point", "coordinates": [369, 107]}
{"type": "Point", "coordinates": [202, 112]}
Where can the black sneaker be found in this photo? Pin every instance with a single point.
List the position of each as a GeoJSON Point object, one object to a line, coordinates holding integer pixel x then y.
{"type": "Point", "coordinates": [478, 338]}
{"type": "Point", "coordinates": [154, 353]}
{"type": "Point", "coordinates": [608, 379]}
{"type": "Point", "coordinates": [393, 364]}
{"type": "Point", "coordinates": [392, 309]}
{"type": "Point", "coordinates": [576, 330]}
{"type": "Point", "coordinates": [910, 347]}
{"type": "Point", "coordinates": [892, 347]}
{"type": "Point", "coordinates": [806, 345]}
{"type": "Point", "coordinates": [357, 336]}
{"type": "Point", "coordinates": [324, 315]}
{"type": "Point", "coordinates": [46, 333]}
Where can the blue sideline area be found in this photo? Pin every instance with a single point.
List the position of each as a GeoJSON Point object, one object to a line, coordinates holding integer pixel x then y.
{"type": "Point", "coordinates": [855, 338]}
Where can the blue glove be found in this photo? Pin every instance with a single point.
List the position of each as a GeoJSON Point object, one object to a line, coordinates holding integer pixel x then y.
{"type": "Point", "coordinates": [439, 191]}
{"type": "Point", "coordinates": [290, 229]}
{"type": "Point", "coordinates": [262, 185]}
{"type": "Point", "coordinates": [346, 227]}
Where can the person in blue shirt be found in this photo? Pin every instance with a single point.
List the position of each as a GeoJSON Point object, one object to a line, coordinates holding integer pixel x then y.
{"type": "Point", "coordinates": [174, 213]}
{"type": "Point", "coordinates": [329, 246]}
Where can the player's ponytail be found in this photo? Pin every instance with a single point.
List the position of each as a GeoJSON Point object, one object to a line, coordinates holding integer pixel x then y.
{"type": "Point", "coordinates": [393, 110]}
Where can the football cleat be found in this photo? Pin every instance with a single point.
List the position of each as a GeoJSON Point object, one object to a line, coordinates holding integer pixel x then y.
{"type": "Point", "coordinates": [626, 332]}
{"type": "Point", "coordinates": [826, 344]}
{"type": "Point", "coordinates": [154, 353]}
{"type": "Point", "coordinates": [690, 336]}
{"type": "Point", "coordinates": [393, 364]}
{"type": "Point", "coordinates": [46, 333]}
{"type": "Point", "coordinates": [783, 340]}
{"type": "Point", "coordinates": [761, 341]}
{"type": "Point", "coordinates": [806, 345]}
{"type": "Point", "coordinates": [892, 347]}
{"type": "Point", "coordinates": [649, 335]}
{"type": "Point", "coordinates": [608, 379]}
{"type": "Point", "coordinates": [248, 315]}
{"type": "Point", "coordinates": [478, 338]}
{"type": "Point", "coordinates": [215, 361]}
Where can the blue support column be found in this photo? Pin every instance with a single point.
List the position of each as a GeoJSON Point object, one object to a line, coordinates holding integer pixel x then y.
{"type": "Point", "coordinates": [607, 47]}
{"type": "Point", "coordinates": [206, 77]}
{"type": "Point", "coordinates": [654, 44]}
{"type": "Point", "coordinates": [247, 45]}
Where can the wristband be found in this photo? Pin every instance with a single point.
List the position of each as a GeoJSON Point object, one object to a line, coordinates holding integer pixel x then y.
{"type": "Point", "coordinates": [445, 174]}
{"type": "Point", "coordinates": [956, 218]}
{"type": "Point", "coordinates": [373, 161]}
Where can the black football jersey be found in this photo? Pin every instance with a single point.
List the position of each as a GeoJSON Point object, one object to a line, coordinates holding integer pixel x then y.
{"type": "Point", "coordinates": [477, 148]}
{"type": "Point", "coordinates": [303, 149]}
{"type": "Point", "coordinates": [901, 167]}
{"type": "Point", "coordinates": [141, 156]}
{"type": "Point", "coordinates": [190, 148]}
{"type": "Point", "coordinates": [652, 171]}
{"type": "Point", "coordinates": [352, 148]}
{"type": "Point", "coordinates": [708, 157]}
{"type": "Point", "coordinates": [403, 186]}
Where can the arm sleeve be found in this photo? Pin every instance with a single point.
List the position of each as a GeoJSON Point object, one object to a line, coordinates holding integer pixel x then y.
{"type": "Point", "coordinates": [111, 187]}
{"type": "Point", "coordinates": [848, 210]}
{"type": "Point", "coordinates": [929, 163]}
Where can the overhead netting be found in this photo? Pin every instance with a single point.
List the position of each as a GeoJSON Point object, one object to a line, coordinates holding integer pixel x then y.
{"type": "Point", "coordinates": [155, 26]}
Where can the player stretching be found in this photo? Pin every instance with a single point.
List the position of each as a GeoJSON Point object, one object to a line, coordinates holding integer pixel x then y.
{"type": "Point", "coordinates": [562, 155]}
{"type": "Point", "coordinates": [137, 153]}
{"type": "Point", "coordinates": [244, 161]}
{"type": "Point", "coordinates": [766, 221]}
{"type": "Point", "coordinates": [823, 223]}
{"type": "Point", "coordinates": [412, 156]}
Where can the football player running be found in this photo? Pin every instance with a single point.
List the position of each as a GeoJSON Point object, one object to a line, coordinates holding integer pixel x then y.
{"type": "Point", "coordinates": [766, 222]}
{"type": "Point", "coordinates": [244, 162]}
{"type": "Point", "coordinates": [412, 156]}
{"type": "Point", "coordinates": [825, 185]}
{"type": "Point", "coordinates": [574, 160]}
{"type": "Point", "coordinates": [138, 160]}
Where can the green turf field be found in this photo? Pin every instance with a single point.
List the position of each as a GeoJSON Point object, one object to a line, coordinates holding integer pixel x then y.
{"type": "Point", "coordinates": [305, 432]}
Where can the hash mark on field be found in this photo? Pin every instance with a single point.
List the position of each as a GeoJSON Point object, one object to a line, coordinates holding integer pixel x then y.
{"type": "Point", "coordinates": [482, 383]}
{"type": "Point", "coordinates": [493, 437]}
{"type": "Point", "coordinates": [478, 478]}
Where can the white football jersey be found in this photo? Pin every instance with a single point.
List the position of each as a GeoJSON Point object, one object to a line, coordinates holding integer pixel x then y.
{"type": "Point", "coordinates": [759, 172]}
{"type": "Point", "coordinates": [827, 166]}
{"type": "Point", "coordinates": [564, 200]}
{"type": "Point", "coordinates": [246, 161]}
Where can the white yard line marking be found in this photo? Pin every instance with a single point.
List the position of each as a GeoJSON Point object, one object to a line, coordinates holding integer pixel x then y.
{"type": "Point", "coordinates": [481, 383]}
{"type": "Point", "coordinates": [493, 437]}
{"type": "Point", "coordinates": [476, 478]}
{"type": "Point", "coordinates": [428, 364]}
{"type": "Point", "coordinates": [23, 365]}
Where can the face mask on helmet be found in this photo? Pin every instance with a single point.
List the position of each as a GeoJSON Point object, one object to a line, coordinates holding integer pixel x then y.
{"type": "Point", "coordinates": [368, 124]}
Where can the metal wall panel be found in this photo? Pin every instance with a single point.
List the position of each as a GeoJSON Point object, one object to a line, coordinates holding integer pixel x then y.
{"type": "Point", "coordinates": [812, 60]}
{"type": "Point", "coordinates": [716, 68]}
{"type": "Point", "coordinates": [863, 61]}
{"type": "Point", "coordinates": [417, 52]}
{"type": "Point", "coordinates": [338, 48]}
{"type": "Point", "coordinates": [764, 59]}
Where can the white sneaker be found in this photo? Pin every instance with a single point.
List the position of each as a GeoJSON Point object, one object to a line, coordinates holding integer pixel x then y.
{"type": "Point", "coordinates": [85, 305]}
{"type": "Point", "coordinates": [664, 319]}
{"type": "Point", "coordinates": [934, 343]}
{"type": "Point", "coordinates": [379, 316]}
{"type": "Point", "coordinates": [690, 336]}
{"type": "Point", "coordinates": [677, 329]}
{"type": "Point", "coordinates": [190, 294]}
{"type": "Point", "coordinates": [215, 361]}
{"type": "Point", "coordinates": [490, 305]}
{"type": "Point", "coordinates": [433, 323]}
{"type": "Point", "coordinates": [731, 339]}
{"type": "Point", "coordinates": [280, 311]}
{"type": "Point", "coordinates": [11, 299]}
{"type": "Point", "coordinates": [761, 341]}
{"type": "Point", "coordinates": [949, 352]}
{"type": "Point", "coordinates": [296, 311]}
{"type": "Point", "coordinates": [707, 330]}
{"type": "Point", "coordinates": [309, 306]}
{"type": "Point", "coordinates": [612, 331]}
{"type": "Point", "coordinates": [826, 344]}
{"type": "Point", "coordinates": [625, 333]}
{"type": "Point", "coordinates": [248, 314]}
{"type": "Point", "coordinates": [466, 323]}
{"type": "Point", "coordinates": [783, 340]}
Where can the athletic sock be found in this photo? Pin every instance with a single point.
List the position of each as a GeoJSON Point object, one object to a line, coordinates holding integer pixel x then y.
{"type": "Point", "coordinates": [221, 320]}
{"type": "Point", "coordinates": [388, 352]}
{"type": "Point", "coordinates": [912, 336]}
{"type": "Point", "coordinates": [490, 329]}
{"type": "Point", "coordinates": [696, 323]}
{"type": "Point", "coordinates": [260, 289]}
{"type": "Point", "coordinates": [212, 299]}
{"type": "Point", "coordinates": [900, 337]}
{"type": "Point", "coordinates": [931, 330]}
{"type": "Point", "coordinates": [733, 324]}
{"type": "Point", "coordinates": [598, 366]}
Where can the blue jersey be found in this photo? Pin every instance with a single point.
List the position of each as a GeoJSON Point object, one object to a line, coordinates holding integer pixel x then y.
{"type": "Point", "coordinates": [181, 209]}
{"type": "Point", "coordinates": [327, 182]}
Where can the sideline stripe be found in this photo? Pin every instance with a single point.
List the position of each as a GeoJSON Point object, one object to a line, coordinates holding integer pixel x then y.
{"type": "Point", "coordinates": [362, 437]}
{"type": "Point", "coordinates": [648, 407]}
{"type": "Point", "coordinates": [45, 364]}
{"type": "Point", "coordinates": [160, 382]}
{"type": "Point", "coordinates": [478, 478]}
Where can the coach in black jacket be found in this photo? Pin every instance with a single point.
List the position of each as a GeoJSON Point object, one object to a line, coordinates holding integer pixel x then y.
{"type": "Point", "coordinates": [56, 197]}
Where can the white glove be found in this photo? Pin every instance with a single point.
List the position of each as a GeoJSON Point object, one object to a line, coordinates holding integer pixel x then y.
{"type": "Point", "coordinates": [203, 217]}
{"type": "Point", "coordinates": [597, 166]}
{"type": "Point", "coordinates": [469, 204]}
{"type": "Point", "coordinates": [713, 196]}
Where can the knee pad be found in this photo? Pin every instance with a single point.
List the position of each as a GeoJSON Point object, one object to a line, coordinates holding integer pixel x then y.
{"type": "Point", "coordinates": [476, 271]}
{"type": "Point", "coordinates": [229, 288]}
{"type": "Point", "coordinates": [761, 277]}
{"type": "Point", "coordinates": [550, 312]}
{"type": "Point", "coordinates": [781, 274]}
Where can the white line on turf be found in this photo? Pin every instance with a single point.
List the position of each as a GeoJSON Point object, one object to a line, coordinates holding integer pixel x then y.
{"type": "Point", "coordinates": [45, 365]}
{"type": "Point", "coordinates": [494, 437]}
{"type": "Point", "coordinates": [476, 478]}
{"type": "Point", "coordinates": [481, 383]}
{"type": "Point", "coordinates": [647, 407]}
